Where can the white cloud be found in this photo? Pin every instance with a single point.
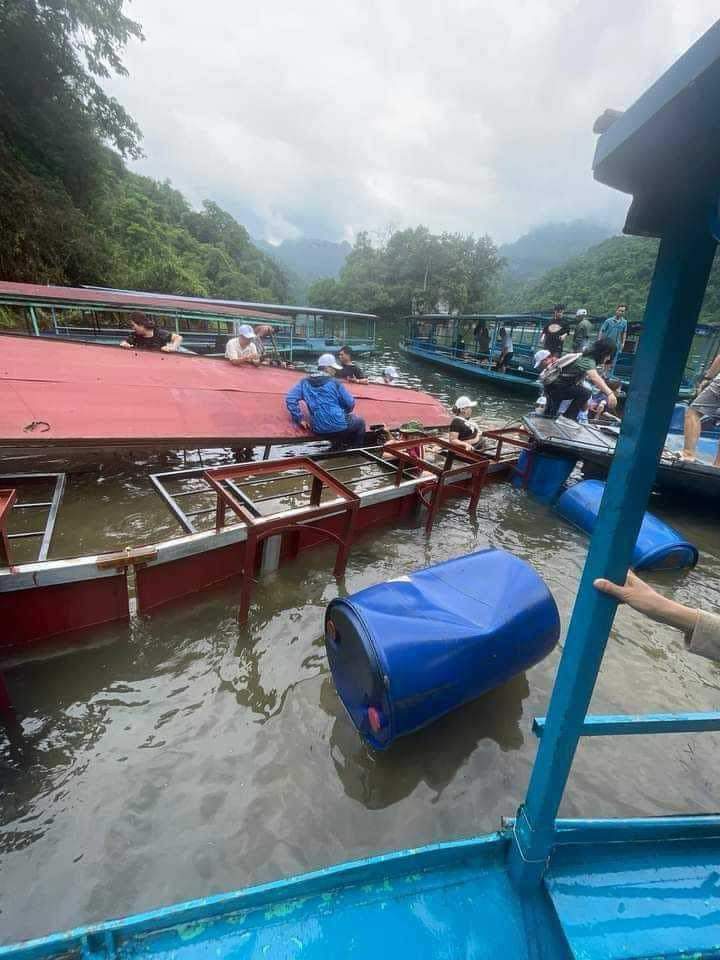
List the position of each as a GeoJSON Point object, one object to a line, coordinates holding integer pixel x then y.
{"type": "Point", "coordinates": [328, 118]}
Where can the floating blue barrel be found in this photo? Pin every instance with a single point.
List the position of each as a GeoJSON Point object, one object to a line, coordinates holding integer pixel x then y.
{"type": "Point", "coordinates": [658, 546]}
{"type": "Point", "coordinates": [542, 474]}
{"type": "Point", "coordinates": [405, 652]}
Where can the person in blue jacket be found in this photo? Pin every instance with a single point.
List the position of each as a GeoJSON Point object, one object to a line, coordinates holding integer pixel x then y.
{"type": "Point", "coordinates": [329, 407]}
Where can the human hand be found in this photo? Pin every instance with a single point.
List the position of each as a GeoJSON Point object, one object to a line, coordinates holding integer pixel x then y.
{"type": "Point", "coordinates": [167, 349]}
{"type": "Point", "coordinates": [304, 425]}
{"type": "Point", "coordinates": [125, 345]}
{"type": "Point", "coordinates": [612, 401]}
{"type": "Point", "coordinates": [641, 597]}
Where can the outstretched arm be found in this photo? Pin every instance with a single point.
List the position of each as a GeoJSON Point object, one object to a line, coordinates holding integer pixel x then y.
{"type": "Point", "coordinates": [292, 402]}
{"type": "Point", "coordinates": [641, 597]}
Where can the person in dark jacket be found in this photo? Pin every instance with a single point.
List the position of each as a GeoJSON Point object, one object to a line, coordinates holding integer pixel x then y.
{"type": "Point", "coordinates": [328, 405]}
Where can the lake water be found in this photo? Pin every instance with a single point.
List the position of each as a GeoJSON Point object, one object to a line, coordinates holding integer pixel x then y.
{"type": "Point", "coordinates": [180, 756]}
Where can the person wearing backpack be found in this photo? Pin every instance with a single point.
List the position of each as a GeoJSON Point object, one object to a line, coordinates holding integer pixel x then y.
{"type": "Point", "coordinates": [564, 379]}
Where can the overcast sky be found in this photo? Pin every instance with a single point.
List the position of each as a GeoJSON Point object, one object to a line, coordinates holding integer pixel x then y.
{"type": "Point", "coordinates": [326, 117]}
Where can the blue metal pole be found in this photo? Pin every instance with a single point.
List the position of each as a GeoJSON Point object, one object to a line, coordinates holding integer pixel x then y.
{"type": "Point", "coordinates": [676, 293]}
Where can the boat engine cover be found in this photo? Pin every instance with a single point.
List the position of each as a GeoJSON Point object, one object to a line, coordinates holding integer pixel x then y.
{"type": "Point", "coordinates": [658, 546]}
{"type": "Point", "coordinates": [407, 651]}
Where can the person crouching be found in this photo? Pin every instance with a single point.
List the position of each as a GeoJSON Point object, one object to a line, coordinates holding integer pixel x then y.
{"type": "Point", "coordinates": [329, 407]}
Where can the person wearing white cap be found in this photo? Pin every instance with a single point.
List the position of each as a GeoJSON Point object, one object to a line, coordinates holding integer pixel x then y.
{"type": "Point", "coordinates": [243, 349]}
{"type": "Point", "coordinates": [463, 431]}
{"type": "Point", "coordinates": [327, 407]}
{"type": "Point", "coordinates": [390, 374]}
{"type": "Point", "coordinates": [582, 332]}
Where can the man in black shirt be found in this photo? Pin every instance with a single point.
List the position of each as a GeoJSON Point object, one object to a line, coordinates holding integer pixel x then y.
{"type": "Point", "coordinates": [146, 335]}
{"type": "Point", "coordinates": [555, 331]}
{"type": "Point", "coordinates": [349, 370]}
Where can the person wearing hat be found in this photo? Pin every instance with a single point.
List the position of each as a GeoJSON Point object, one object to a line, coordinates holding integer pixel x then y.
{"type": "Point", "coordinates": [583, 332]}
{"type": "Point", "coordinates": [389, 374]}
{"type": "Point", "coordinates": [463, 431]}
{"type": "Point", "coordinates": [243, 349]}
{"type": "Point", "coordinates": [329, 407]}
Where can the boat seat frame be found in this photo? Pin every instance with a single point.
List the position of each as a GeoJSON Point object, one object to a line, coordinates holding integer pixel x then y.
{"type": "Point", "coordinates": [224, 480]}
{"type": "Point", "coordinates": [458, 464]}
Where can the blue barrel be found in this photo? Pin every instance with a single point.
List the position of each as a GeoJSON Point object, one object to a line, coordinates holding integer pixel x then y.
{"type": "Point", "coordinates": [405, 652]}
{"type": "Point", "coordinates": [658, 546]}
{"type": "Point", "coordinates": [542, 474]}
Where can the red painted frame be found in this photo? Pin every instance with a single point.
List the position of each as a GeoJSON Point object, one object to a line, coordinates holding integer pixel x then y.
{"type": "Point", "coordinates": [260, 528]}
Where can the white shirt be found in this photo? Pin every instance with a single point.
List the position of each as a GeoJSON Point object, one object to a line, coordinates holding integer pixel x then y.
{"type": "Point", "coordinates": [506, 343]}
{"type": "Point", "coordinates": [233, 350]}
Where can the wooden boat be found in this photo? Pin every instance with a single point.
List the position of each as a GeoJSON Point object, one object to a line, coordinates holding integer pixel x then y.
{"type": "Point", "coordinates": [99, 315]}
{"type": "Point", "coordinates": [69, 397]}
{"type": "Point", "coordinates": [446, 341]}
{"type": "Point", "coordinates": [542, 887]}
{"type": "Point", "coordinates": [595, 447]}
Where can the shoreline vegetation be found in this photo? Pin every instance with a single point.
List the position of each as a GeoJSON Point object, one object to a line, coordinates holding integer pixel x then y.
{"type": "Point", "coordinates": [74, 214]}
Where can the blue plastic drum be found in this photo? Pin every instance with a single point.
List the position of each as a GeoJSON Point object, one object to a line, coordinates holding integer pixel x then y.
{"type": "Point", "coordinates": [405, 652]}
{"type": "Point", "coordinates": [658, 546]}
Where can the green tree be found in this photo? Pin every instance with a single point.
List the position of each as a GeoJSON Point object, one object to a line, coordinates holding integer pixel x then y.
{"type": "Point", "coordinates": [414, 268]}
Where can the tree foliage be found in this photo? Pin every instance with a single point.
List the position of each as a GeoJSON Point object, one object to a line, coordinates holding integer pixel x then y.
{"type": "Point", "coordinates": [413, 268]}
{"type": "Point", "coordinates": [616, 271]}
{"type": "Point", "coordinates": [71, 212]}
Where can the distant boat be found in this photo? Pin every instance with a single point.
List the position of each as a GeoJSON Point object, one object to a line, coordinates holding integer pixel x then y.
{"type": "Point", "coordinates": [447, 341]}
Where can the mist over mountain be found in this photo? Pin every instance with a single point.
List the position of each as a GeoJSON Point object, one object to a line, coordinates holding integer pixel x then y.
{"type": "Point", "coordinates": [550, 245]}
{"type": "Point", "coordinates": [306, 260]}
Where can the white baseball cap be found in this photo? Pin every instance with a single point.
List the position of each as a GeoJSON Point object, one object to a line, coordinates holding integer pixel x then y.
{"type": "Point", "coordinates": [539, 357]}
{"type": "Point", "coordinates": [390, 372]}
{"type": "Point", "coordinates": [328, 360]}
{"type": "Point", "coordinates": [581, 313]}
{"type": "Point", "coordinates": [245, 330]}
{"type": "Point", "coordinates": [463, 402]}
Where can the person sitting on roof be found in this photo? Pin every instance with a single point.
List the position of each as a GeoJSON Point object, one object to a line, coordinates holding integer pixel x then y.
{"type": "Point", "coordinates": [463, 431]}
{"type": "Point", "coordinates": [146, 335]}
{"type": "Point", "coordinates": [243, 348]}
{"type": "Point", "coordinates": [349, 370]}
{"type": "Point", "coordinates": [701, 629]}
{"type": "Point", "coordinates": [329, 407]}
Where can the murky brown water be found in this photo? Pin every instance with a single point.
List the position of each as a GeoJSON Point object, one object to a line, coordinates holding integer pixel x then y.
{"type": "Point", "coordinates": [180, 756]}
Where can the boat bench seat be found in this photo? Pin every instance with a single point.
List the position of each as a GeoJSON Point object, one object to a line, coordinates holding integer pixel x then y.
{"type": "Point", "coordinates": [642, 899]}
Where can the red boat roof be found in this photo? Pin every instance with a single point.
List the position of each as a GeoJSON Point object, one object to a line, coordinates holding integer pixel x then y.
{"type": "Point", "coordinates": [80, 394]}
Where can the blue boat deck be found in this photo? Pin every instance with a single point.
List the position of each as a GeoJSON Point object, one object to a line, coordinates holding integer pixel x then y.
{"type": "Point", "coordinates": [638, 899]}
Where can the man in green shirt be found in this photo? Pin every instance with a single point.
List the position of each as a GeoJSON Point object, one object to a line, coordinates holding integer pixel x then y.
{"type": "Point", "coordinates": [582, 334]}
{"type": "Point", "coordinates": [575, 379]}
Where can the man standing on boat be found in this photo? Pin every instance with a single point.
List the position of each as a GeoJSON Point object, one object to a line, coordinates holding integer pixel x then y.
{"type": "Point", "coordinates": [555, 331]}
{"type": "Point", "coordinates": [582, 333]}
{"type": "Point", "coordinates": [506, 350]}
{"type": "Point", "coordinates": [705, 405]}
{"type": "Point", "coordinates": [329, 407]}
{"type": "Point", "coordinates": [146, 335]}
{"type": "Point", "coordinates": [615, 329]}
{"type": "Point", "coordinates": [349, 370]}
{"type": "Point", "coordinates": [243, 349]}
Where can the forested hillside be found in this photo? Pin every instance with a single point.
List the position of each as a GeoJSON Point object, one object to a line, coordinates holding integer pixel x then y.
{"type": "Point", "coordinates": [71, 212]}
{"type": "Point", "coordinates": [413, 269]}
{"type": "Point", "coordinates": [619, 269]}
{"type": "Point", "coordinates": [550, 245]}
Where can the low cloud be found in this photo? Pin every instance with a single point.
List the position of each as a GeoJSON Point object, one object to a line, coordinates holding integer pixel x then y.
{"type": "Point", "coordinates": [326, 119]}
